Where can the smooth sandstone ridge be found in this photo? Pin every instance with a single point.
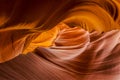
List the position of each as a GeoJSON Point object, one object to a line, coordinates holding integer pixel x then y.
{"type": "Point", "coordinates": [60, 40]}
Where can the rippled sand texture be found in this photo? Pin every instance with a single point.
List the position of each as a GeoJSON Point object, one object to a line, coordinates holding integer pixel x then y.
{"type": "Point", "coordinates": [60, 40]}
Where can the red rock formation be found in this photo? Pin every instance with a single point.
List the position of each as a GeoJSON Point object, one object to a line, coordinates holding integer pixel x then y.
{"type": "Point", "coordinates": [59, 40]}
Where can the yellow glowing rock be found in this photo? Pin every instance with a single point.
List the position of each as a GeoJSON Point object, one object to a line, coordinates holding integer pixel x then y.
{"type": "Point", "coordinates": [45, 39]}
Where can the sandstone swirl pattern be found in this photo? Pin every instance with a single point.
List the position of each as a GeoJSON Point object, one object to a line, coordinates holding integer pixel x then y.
{"type": "Point", "coordinates": [60, 40]}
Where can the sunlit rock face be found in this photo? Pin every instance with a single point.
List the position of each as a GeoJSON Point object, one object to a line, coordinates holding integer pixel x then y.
{"type": "Point", "coordinates": [59, 40]}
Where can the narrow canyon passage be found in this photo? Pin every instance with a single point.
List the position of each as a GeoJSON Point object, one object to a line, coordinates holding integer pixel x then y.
{"type": "Point", "coordinates": [60, 40]}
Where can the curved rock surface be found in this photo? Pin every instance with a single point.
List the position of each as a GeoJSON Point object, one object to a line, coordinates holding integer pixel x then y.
{"type": "Point", "coordinates": [60, 40]}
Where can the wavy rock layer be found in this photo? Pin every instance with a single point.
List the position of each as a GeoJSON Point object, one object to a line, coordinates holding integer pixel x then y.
{"type": "Point", "coordinates": [29, 24]}
{"type": "Point", "coordinates": [75, 55]}
{"type": "Point", "coordinates": [65, 40]}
